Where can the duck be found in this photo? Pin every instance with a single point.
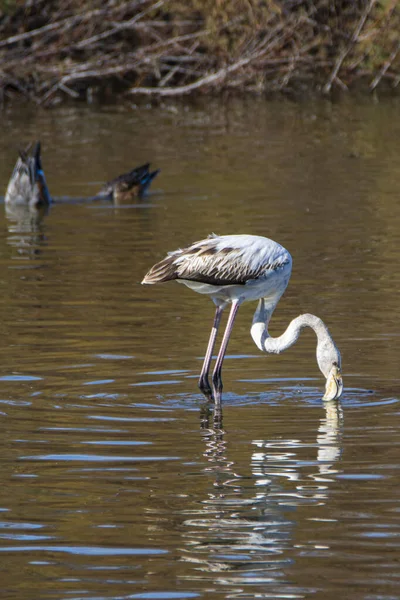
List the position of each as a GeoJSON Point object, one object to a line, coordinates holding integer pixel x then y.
{"type": "Point", "coordinates": [127, 186]}
{"type": "Point", "coordinates": [27, 185]}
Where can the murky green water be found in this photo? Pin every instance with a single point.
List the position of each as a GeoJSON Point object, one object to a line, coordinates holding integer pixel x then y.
{"type": "Point", "coordinates": [112, 485]}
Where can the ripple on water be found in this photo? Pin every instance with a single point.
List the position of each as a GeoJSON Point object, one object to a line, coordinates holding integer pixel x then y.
{"type": "Point", "coordinates": [156, 383]}
{"type": "Point", "coordinates": [16, 525]}
{"type": "Point", "coordinates": [87, 550]}
{"type": "Point", "coordinates": [116, 443]}
{"type": "Point", "coordinates": [281, 389]}
{"type": "Point", "coordinates": [99, 382]}
{"type": "Point", "coordinates": [26, 538]}
{"type": "Point", "coordinates": [132, 419]}
{"type": "Point", "coordinates": [114, 356]}
{"type": "Point", "coordinates": [16, 402]}
{"type": "Point", "coordinates": [355, 398]}
{"type": "Point", "coordinates": [286, 394]}
{"type": "Point", "coordinates": [162, 596]}
{"type": "Point", "coordinates": [20, 378]}
{"type": "Point", "coordinates": [96, 458]}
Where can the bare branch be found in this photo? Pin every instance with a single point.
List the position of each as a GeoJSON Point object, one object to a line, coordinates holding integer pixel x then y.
{"type": "Point", "coordinates": [385, 67]}
{"type": "Point", "coordinates": [186, 89]}
{"type": "Point", "coordinates": [51, 27]}
{"type": "Point", "coordinates": [119, 26]}
{"type": "Point", "coordinates": [346, 50]}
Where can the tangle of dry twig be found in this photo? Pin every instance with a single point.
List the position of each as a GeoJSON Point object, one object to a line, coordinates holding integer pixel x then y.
{"type": "Point", "coordinates": [51, 50]}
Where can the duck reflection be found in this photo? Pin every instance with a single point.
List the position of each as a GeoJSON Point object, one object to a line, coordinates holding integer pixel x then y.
{"type": "Point", "coordinates": [245, 529]}
{"type": "Point", "coordinates": [25, 226]}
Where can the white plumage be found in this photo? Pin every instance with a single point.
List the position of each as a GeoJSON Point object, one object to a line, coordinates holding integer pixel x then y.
{"type": "Point", "coordinates": [233, 269]}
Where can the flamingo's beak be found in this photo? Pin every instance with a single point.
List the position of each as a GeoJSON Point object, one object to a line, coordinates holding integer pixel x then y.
{"type": "Point", "coordinates": [334, 384]}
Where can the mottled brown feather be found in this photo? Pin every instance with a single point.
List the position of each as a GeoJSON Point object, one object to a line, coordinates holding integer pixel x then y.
{"type": "Point", "coordinates": [205, 263]}
{"type": "Point", "coordinates": [165, 270]}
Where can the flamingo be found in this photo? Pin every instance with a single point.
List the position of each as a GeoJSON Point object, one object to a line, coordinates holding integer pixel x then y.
{"type": "Point", "coordinates": [233, 269]}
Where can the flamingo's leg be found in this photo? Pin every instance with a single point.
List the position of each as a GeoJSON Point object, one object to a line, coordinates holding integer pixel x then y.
{"type": "Point", "coordinates": [216, 378]}
{"type": "Point", "coordinates": [204, 384]}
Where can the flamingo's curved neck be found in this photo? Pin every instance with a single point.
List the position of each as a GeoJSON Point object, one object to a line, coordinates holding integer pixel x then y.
{"type": "Point", "coordinates": [276, 345]}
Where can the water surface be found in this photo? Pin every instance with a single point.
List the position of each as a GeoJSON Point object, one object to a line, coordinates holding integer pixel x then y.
{"type": "Point", "coordinates": [115, 482]}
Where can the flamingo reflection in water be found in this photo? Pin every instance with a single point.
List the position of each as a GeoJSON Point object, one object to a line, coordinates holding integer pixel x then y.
{"type": "Point", "coordinates": [244, 532]}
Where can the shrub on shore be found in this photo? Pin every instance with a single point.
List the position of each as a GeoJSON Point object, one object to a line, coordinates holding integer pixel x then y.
{"type": "Point", "coordinates": [52, 49]}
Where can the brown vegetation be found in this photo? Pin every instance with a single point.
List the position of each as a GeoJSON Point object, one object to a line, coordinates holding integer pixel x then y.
{"type": "Point", "coordinates": [53, 49]}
